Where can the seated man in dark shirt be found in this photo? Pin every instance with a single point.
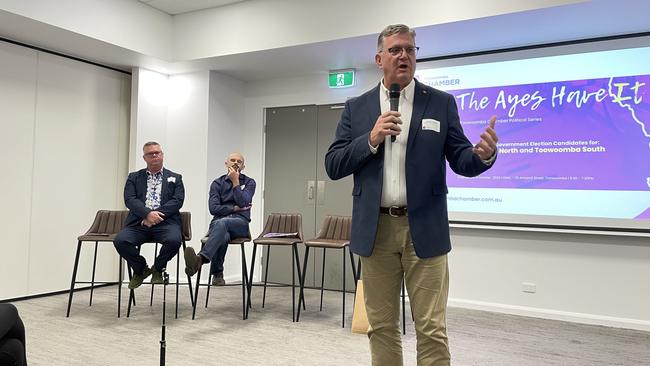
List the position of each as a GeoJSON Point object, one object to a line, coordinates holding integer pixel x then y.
{"type": "Point", "coordinates": [230, 201]}
{"type": "Point", "coordinates": [154, 196]}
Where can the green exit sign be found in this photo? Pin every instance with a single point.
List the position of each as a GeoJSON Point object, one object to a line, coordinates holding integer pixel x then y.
{"type": "Point", "coordinates": [341, 79]}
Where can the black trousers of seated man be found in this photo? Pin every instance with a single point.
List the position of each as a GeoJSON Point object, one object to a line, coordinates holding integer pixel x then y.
{"type": "Point", "coordinates": [166, 233]}
{"type": "Point", "coordinates": [12, 337]}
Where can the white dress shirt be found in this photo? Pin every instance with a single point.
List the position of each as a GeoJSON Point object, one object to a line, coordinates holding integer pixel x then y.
{"type": "Point", "coordinates": [394, 189]}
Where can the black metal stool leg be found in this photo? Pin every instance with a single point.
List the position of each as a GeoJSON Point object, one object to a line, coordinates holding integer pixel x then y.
{"type": "Point", "coordinates": [322, 280]}
{"type": "Point", "coordinates": [131, 295]}
{"type": "Point", "coordinates": [207, 295]}
{"type": "Point", "coordinates": [343, 316]}
{"type": "Point", "coordinates": [243, 282]}
{"type": "Point", "coordinates": [74, 278]}
{"type": "Point", "coordinates": [354, 269]}
{"type": "Point", "coordinates": [196, 292]}
{"type": "Point", "coordinates": [266, 272]}
{"type": "Point", "coordinates": [119, 287]}
{"type": "Point", "coordinates": [301, 296]}
{"type": "Point", "coordinates": [92, 280]}
{"type": "Point", "coordinates": [178, 259]}
{"type": "Point", "coordinates": [250, 281]}
{"type": "Point", "coordinates": [189, 278]}
{"type": "Point", "coordinates": [358, 267]}
{"type": "Point", "coordinates": [293, 283]}
{"type": "Point", "coordinates": [155, 254]}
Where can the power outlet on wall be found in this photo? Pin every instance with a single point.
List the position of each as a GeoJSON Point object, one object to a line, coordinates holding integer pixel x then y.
{"type": "Point", "coordinates": [528, 287]}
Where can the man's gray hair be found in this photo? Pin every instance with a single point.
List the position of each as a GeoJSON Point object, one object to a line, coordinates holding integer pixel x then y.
{"type": "Point", "coordinates": [390, 30]}
{"type": "Point", "coordinates": [150, 143]}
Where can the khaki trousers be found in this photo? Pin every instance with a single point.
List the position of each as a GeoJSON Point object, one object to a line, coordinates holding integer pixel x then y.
{"type": "Point", "coordinates": [427, 283]}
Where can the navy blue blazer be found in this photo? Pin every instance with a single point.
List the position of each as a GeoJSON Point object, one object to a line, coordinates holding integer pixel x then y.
{"type": "Point", "coordinates": [172, 195]}
{"type": "Point", "coordinates": [426, 151]}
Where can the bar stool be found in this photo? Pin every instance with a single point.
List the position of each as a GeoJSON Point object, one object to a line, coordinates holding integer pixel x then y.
{"type": "Point", "coordinates": [281, 229]}
{"type": "Point", "coordinates": [244, 274]}
{"type": "Point", "coordinates": [334, 234]}
{"type": "Point", "coordinates": [106, 225]}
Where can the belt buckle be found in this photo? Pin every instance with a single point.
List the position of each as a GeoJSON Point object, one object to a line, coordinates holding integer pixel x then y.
{"type": "Point", "coordinates": [390, 211]}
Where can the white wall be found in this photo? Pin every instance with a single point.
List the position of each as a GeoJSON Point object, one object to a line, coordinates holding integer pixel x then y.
{"type": "Point", "coordinates": [584, 278]}
{"type": "Point", "coordinates": [64, 149]}
{"type": "Point", "coordinates": [173, 110]}
{"type": "Point", "coordinates": [225, 135]}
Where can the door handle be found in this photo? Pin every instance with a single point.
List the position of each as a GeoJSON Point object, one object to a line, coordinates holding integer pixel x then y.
{"type": "Point", "coordinates": [310, 189]}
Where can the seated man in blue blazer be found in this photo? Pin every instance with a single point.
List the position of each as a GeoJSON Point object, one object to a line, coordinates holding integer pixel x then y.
{"type": "Point", "coordinates": [399, 203]}
{"type": "Point", "coordinates": [154, 196]}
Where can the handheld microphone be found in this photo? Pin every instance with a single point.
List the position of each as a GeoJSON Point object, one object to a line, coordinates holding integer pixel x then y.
{"type": "Point", "coordinates": [393, 97]}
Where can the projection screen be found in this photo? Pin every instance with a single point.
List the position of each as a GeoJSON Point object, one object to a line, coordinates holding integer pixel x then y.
{"type": "Point", "coordinates": [574, 134]}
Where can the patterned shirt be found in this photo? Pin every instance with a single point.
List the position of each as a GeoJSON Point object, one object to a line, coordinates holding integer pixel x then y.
{"type": "Point", "coordinates": [154, 187]}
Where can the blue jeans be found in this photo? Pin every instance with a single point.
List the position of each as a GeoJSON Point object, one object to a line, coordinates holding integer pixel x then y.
{"type": "Point", "coordinates": [221, 231]}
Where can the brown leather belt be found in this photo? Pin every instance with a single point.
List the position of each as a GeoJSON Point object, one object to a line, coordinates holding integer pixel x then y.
{"type": "Point", "coordinates": [394, 211]}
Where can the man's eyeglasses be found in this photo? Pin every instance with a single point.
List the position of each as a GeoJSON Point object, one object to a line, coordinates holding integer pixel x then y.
{"type": "Point", "coordinates": [153, 153]}
{"type": "Point", "coordinates": [396, 51]}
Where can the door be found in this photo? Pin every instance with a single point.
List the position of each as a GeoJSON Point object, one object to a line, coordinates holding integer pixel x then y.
{"type": "Point", "coordinates": [297, 139]}
{"type": "Point", "coordinates": [289, 177]}
{"type": "Point", "coordinates": [332, 198]}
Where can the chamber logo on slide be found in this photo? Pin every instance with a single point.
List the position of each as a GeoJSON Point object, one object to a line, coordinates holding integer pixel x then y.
{"type": "Point", "coordinates": [441, 82]}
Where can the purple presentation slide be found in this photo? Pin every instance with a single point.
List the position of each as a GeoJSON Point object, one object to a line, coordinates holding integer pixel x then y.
{"type": "Point", "coordinates": [589, 134]}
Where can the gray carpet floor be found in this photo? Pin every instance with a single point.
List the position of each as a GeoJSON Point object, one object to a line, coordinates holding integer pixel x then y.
{"type": "Point", "coordinates": [218, 336]}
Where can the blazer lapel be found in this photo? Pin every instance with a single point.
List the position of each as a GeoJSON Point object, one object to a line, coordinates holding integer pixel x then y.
{"type": "Point", "coordinates": [163, 185]}
{"type": "Point", "coordinates": [142, 183]}
{"type": "Point", "coordinates": [420, 100]}
{"type": "Point", "coordinates": [374, 108]}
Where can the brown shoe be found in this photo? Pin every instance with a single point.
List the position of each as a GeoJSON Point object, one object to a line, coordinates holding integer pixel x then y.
{"type": "Point", "coordinates": [156, 277]}
{"type": "Point", "coordinates": [217, 279]}
{"type": "Point", "coordinates": [137, 279]}
{"type": "Point", "coordinates": [192, 261]}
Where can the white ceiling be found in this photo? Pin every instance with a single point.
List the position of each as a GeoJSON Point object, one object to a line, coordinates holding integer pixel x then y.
{"type": "Point", "coordinates": [584, 20]}
{"type": "Point", "coordinates": [175, 7]}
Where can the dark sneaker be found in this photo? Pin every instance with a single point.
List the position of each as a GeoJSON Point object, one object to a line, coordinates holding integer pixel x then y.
{"type": "Point", "coordinates": [137, 279]}
{"type": "Point", "coordinates": [217, 279]}
{"type": "Point", "coordinates": [192, 261]}
{"type": "Point", "coordinates": [156, 277]}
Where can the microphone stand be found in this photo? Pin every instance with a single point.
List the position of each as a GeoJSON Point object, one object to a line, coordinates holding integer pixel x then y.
{"type": "Point", "coordinates": [163, 344]}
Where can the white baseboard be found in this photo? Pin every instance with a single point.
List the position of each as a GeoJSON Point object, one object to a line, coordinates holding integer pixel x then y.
{"type": "Point", "coordinates": [583, 318]}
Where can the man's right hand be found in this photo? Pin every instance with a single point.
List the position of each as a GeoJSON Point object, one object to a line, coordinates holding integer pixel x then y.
{"type": "Point", "coordinates": [233, 174]}
{"type": "Point", "coordinates": [387, 125]}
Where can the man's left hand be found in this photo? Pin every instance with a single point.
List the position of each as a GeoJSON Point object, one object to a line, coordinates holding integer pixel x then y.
{"type": "Point", "coordinates": [487, 146]}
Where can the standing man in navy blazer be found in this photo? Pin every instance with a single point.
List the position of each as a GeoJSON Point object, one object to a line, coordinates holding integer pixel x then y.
{"type": "Point", "coordinates": [154, 197]}
{"type": "Point", "coordinates": [399, 216]}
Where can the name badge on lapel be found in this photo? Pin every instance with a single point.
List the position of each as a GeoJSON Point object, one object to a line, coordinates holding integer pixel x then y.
{"type": "Point", "coordinates": [171, 179]}
{"type": "Point", "coordinates": [431, 125]}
